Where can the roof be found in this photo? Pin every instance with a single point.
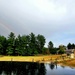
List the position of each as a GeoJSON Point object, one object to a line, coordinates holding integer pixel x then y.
{"type": "Point", "coordinates": [70, 50]}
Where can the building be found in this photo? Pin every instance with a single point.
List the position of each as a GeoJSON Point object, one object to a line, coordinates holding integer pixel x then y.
{"type": "Point", "coordinates": [70, 52]}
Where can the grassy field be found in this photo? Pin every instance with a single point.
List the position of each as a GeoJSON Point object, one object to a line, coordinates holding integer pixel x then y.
{"type": "Point", "coordinates": [29, 58]}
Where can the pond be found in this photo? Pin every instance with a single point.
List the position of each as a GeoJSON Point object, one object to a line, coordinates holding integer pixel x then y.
{"type": "Point", "coordinates": [26, 68]}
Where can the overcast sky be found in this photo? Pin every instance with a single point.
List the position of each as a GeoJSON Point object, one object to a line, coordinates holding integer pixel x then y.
{"type": "Point", "coordinates": [54, 19]}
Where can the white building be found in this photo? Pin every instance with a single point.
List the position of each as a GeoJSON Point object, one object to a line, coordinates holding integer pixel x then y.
{"type": "Point", "coordinates": [71, 53]}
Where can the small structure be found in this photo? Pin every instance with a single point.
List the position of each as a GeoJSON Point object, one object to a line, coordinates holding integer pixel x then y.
{"type": "Point", "coordinates": [71, 53]}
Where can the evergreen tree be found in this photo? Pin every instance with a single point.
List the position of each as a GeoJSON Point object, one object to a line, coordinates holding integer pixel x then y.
{"type": "Point", "coordinates": [69, 46]}
{"type": "Point", "coordinates": [50, 47]}
{"type": "Point", "coordinates": [40, 42]}
{"type": "Point", "coordinates": [11, 44]}
{"type": "Point", "coordinates": [3, 45]}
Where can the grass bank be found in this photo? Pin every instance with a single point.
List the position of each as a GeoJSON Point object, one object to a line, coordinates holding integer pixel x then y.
{"type": "Point", "coordinates": [70, 63]}
{"type": "Point", "coordinates": [29, 58]}
{"type": "Point", "coordinates": [41, 59]}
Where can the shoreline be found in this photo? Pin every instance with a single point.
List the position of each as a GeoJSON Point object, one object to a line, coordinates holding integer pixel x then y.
{"type": "Point", "coordinates": [29, 58]}
{"type": "Point", "coordinates": [40, 59]}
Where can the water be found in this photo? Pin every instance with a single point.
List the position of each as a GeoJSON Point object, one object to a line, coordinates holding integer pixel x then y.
{"type": "Point", "coordinates": [26, 68]}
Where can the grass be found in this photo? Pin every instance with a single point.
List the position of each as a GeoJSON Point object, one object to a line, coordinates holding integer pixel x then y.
{"type": "Point", "coordinates": [29, 58]}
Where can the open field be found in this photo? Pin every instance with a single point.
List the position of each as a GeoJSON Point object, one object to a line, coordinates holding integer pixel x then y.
{"type": "Point", "coordinates": [29, 58]}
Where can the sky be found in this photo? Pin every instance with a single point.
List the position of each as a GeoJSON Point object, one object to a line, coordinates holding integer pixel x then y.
{"type": "Point", "coordinates": [54, 19]}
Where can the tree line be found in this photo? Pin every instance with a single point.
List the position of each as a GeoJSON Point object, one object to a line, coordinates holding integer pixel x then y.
{"type": "Point", "coordinates": [22, 45]}
{"type": "Point", "coordinates": [71, 46]}
{"type": "Point", "coordinates": [29, 45]}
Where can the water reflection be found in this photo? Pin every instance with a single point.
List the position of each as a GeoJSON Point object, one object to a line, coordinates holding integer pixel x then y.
{"type": "Point", "coordinates": [26, 68]}
{"type": "Point", "coordinates": [41, 69]}
{"type": "Point", "coordinates": [52, 66]}
{"type": "Point", "coordinates": [53, 69]}
{"type": "Point", "coordinates": [62, 66]}
{"type": "Point", "coordinates": [15, 68]}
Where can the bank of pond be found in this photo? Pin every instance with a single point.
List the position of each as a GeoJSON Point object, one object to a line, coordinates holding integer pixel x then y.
{"type": "Point", "coordinates": [32, 68]}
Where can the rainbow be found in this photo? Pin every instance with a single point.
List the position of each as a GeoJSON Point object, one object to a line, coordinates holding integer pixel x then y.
{"type": "Point", "coordinates": [5, 27]}
{"type": "Point", "coordinates": [9, 29]}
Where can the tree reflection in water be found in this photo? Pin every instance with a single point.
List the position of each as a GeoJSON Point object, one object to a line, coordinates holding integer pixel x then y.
{"type": "Point", "coordinates": [52, 66]}
{"type": "Point", "coordinates": [22, 68]}
{"type": "Point", "coordinates": [41, 69]}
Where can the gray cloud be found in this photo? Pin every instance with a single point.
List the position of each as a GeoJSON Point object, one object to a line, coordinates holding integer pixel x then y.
{"type": "Point", "coordinates": [54, 19]}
